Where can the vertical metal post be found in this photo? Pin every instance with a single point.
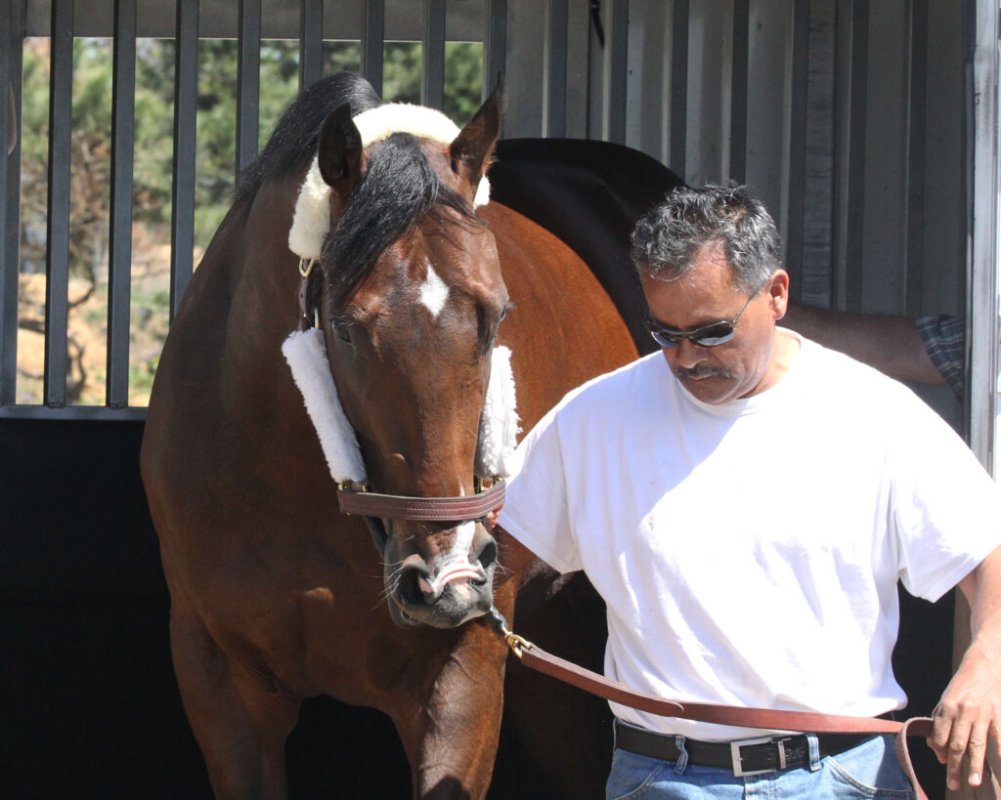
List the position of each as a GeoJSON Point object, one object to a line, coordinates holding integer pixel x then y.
{"type": "Point", "coordinates": [738, 90]}
{"type": "Point", "coordinates": [373, 44]}
{"type": "Point", "coordinates": [310, 42]}
{"type": "Point", "coordinates": [796, 188]}
{"type": "Point", "coordinates": [433, 74]}
{"type": "Point", "coordinates": [616, 53]}
{"type": "Point", "coordinates": [555, 86]}
{"type": "Point", "coordinates": [248, 82]}
{"type": "Point", "coordinates": [182, 231]}
{"type": "Point", "coordinates": [852, 182]}
{"type": "Point", "coordinates": [916, 138]}
{"type": "Point", "coordinates": [58, 225]}
{"type": "Point", "coordinates": [983, 176]}
{"type": "Point", "coordinates": [679, 87]}
{"type": "Point", "coordinates": [495, 51]}
{"type": "Point", "coordinates": [10, 76]}
{"type": "Point", "coordinates": [120, 235]}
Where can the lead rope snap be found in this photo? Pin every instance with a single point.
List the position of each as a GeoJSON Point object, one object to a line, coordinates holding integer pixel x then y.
{"type": "Point", "coordinates": [497, 621]}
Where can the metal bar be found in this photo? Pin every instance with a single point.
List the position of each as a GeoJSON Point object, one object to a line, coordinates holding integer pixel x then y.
{"type": "Point", "coordinates": [310, 42]}
{"type": "Point", "coordinates": [75, 413]}
{"type": "Point", "coordinates": [58, 225]}
{"type": "Point", "coordinates": [183, 181]}
{"type": "Point", "coordinates": [854, 215]}
{"type": "Point", "coordinates": [7, 131]}
{"type": "Point", "coordinates": [555, 84]}
{"type": "Point", "coordinates": [796, 201]}
{"type": "Point", "coordinates": [248, 92]}
{"type": "Point", "coordinates": [617, 53]}
{"type": "Point", "coordinates": [916, 139]}
{"type": "Point", "coordinates": [374, 43]}
{"type": "Point", "coordinates": [983, 181]}
{"type": "Point", "coordinates": [10, 76]}
{"type": "Point", "coordinates": [739, 65]}
{"type": "Point", "coordinates": [433, 74]}
{"type": "Point", "coordinates": [120, 236]}
{"type": "Point", "coordinates": [679, 87]}
{"type": "Point", "coordinates": [495, 55]}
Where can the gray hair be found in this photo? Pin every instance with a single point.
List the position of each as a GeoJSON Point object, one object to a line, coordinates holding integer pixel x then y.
{"type": "Point", "coordinates": [669, 237]}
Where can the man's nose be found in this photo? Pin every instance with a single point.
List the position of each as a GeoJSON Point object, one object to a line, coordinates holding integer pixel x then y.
{"type": "Point", "coordinates": [688, 355]}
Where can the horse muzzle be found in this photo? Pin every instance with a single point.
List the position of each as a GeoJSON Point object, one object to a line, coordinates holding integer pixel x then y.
{"type": "Point", "coordinates": [446, 590]}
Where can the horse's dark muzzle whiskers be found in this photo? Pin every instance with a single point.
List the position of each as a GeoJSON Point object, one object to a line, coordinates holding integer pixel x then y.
{"type": "Point", "coordinates": [446, 591]}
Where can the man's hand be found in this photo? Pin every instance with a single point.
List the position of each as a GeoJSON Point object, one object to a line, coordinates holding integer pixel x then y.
{"type": "Point", "coordinates": [968, 717]}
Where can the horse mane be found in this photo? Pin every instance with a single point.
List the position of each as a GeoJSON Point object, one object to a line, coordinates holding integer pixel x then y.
{"type": "Point", "coordinates": [292, 145]}
{"type": "Point", "coordinates": [398, 187]}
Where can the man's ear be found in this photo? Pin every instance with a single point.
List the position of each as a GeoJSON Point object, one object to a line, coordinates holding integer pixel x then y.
{"type": "Point", "coordinates": [778, 290]}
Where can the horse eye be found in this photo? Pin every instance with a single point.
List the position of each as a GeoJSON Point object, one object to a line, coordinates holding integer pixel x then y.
{"type": "Point", "coordinates": [342, 330]}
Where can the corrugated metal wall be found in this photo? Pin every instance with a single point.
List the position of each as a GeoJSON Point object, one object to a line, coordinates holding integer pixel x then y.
{"type": "Point", "coordinates": [845, 116]}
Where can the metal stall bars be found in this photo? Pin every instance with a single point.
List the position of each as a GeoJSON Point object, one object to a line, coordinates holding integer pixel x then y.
{"type": "Point", "coordinates": [186, 22]}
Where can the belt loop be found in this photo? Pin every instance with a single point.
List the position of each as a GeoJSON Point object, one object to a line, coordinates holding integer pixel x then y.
{"type": "Point", "coordinates": [813, 745]}
{"type": "Point", "coordinates": [682, 763]}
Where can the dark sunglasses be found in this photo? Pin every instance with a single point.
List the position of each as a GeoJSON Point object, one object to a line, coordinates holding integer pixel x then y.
{"type": "Point", "coordinates": [711, 335]}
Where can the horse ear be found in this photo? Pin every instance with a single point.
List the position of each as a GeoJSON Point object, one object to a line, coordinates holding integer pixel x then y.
{"type": "Point", "coordinates": [472, 150]}
{"type": "Point", "coordinates": [339, 151]}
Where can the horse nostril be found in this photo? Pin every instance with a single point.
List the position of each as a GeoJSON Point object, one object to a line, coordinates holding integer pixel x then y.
{"type": "Point", "coordinates": [487, 554]}
{"type": "Point", "coordinates": [414, 580]}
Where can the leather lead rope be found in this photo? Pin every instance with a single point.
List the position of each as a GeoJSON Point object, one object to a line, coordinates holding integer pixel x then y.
{"type": "Point", "coordinates": [535, 657]}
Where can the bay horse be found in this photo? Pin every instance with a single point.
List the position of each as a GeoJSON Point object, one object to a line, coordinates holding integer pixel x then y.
{"type": "Point", "coordinates": [409, 286]}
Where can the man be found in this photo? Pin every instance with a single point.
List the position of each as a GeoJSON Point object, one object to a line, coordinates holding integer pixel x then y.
{"type": "Point", "coordinates": [745, 502]}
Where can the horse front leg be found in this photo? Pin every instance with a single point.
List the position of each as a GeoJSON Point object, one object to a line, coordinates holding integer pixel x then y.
{"type": "Point", "coordinates": [239, 721]}
{"type": "Point", "coordinates": [451, 734]}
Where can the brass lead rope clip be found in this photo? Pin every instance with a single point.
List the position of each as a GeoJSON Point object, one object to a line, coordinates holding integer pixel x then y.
{"type": "Point", "coordinates": [517, 644]}
{"type": "Point", "coordinates": [305, 268]}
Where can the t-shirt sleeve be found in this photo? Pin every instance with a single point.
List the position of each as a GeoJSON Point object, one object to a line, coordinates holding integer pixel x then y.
{"type": "Point", "coordinates": [536, 504]}
{"type": "Point", "coordinates": [946, 508]}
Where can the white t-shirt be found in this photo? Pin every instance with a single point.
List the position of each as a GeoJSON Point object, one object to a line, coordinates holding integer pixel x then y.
{"type": "Point", "coordinates": [748, 553]}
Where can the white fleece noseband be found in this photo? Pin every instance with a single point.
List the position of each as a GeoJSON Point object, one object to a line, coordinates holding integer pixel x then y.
{"type": "Point", "coordinates": [305, 351]}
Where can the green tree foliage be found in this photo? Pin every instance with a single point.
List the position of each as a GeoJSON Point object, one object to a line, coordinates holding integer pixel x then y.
{"type": "Point", "coordinates": [153, 147]}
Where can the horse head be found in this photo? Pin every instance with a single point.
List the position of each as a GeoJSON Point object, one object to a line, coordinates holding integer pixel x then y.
{"type": "Point", "coordinates": [409, 301]}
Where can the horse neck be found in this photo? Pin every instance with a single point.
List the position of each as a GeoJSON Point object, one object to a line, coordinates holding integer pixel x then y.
{"type": "Point", "coordinates": [263, 277]}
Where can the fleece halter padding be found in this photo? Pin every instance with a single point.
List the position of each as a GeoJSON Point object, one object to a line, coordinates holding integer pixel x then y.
{"type": "Point", "coordinates": [305, 351]}
{"type": "Point", "coordinates": [306, 356]}
{"type": "Point", "coordinates": [311, 221]}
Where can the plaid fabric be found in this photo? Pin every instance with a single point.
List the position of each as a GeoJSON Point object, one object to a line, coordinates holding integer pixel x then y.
{"type": "Point", "coordinates": [945, 342]}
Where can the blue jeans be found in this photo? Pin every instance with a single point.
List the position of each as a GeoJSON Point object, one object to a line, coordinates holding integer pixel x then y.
{"type": "Point", "coordinates": [869, 770]}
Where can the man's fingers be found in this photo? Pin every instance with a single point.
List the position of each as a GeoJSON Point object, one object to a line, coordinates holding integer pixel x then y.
{"type": "Point", "coordinates": [949, 739]}
{"type": "Point", "coordinates": [961, 744]}
{"type": "Point", "coordinates": [976, 752]}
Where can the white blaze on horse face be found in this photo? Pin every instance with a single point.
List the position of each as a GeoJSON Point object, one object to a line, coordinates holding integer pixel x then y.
{"type": "Point", "coordinates": [434, 292]}
{"type": "Point", "coordinates": [464, 539]}
{"type": "Point", "coordinates": [454, 567]}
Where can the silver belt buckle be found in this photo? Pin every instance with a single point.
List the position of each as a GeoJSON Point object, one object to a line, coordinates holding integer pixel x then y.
{"type": "Point", "coordinates": [735, 758]}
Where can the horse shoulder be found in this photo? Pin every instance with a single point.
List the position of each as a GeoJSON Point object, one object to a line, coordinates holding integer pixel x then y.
{"type": "Point", "coordinates": [563, 328]}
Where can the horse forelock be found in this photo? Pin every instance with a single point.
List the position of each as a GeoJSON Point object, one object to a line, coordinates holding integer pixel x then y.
{"type": "Point", "coordinates": [398, 188]}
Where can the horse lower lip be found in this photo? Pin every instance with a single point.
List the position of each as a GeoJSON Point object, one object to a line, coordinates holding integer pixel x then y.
{"type": "Point", "coordinates": [458, 572]}
{"type": "Point", "coordinates": [457, 576]}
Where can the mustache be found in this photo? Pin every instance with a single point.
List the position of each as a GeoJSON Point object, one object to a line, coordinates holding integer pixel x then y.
{"type": "Point", "coordinates": [702, 371]}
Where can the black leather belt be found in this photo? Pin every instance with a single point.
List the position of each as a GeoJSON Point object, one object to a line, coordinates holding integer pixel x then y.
{"type": "Point", "coordinates": [743, 757]}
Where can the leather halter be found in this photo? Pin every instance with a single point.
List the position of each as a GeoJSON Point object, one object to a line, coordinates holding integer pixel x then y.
{"type": "Point", "coordinates": [353, 498]}
{"type": "Point", "coordinates": [424, 509]}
